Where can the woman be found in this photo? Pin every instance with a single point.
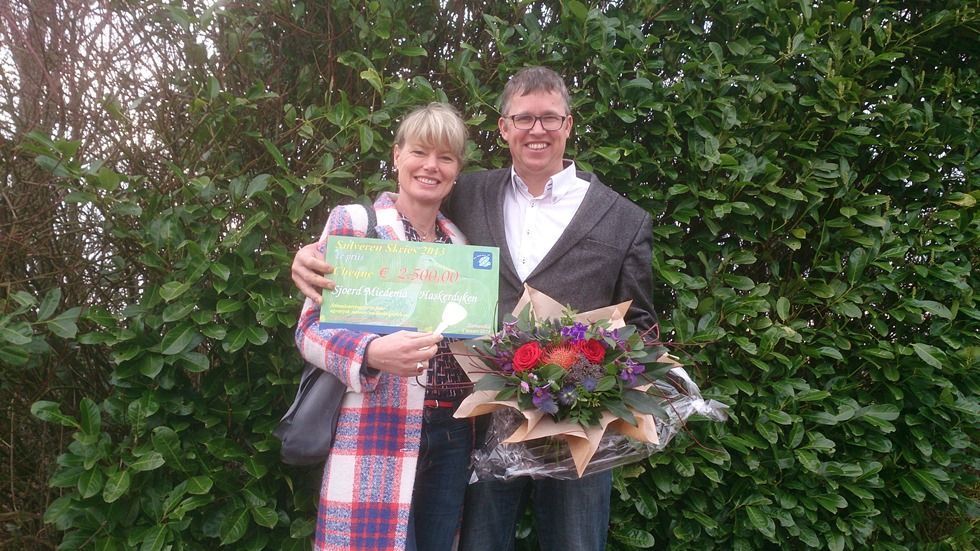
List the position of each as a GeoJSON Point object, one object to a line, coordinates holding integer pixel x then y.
{"type": "Point", "coordinates": [398, 468]}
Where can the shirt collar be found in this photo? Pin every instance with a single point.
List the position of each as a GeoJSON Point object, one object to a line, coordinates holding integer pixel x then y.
{"type": "Point", "coordinates": [556, 187]}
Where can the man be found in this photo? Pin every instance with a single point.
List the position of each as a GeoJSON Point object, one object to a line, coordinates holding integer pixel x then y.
{"type": "Point", "coordinates": [566, 234]}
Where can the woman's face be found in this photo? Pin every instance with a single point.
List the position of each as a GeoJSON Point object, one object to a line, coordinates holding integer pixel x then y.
{"type": "Point", "coordinates": [426, 174]}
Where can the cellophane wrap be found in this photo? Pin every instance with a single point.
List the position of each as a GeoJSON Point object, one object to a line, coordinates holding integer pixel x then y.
{"type": "Point", "coordinates": [550, 457]}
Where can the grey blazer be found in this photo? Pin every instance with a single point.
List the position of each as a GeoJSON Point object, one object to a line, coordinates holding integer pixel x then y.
{"type": "Point", "coordinates": [602, 258]}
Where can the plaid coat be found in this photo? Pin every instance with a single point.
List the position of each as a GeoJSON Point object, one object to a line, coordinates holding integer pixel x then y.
{"type": "Point", "coordinates": [366, 492]}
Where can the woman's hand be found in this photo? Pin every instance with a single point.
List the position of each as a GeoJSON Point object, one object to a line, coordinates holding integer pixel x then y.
{"type": "Point", "coordinates": [405, 353]}
{"type": "Point", "coordinates": [308, 270]}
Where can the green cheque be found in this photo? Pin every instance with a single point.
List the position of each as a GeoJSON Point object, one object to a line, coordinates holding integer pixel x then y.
{"type": "Point", "coordinates": [383, 286]}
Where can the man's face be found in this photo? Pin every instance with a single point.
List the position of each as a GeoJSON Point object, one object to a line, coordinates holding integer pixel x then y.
{"type": "Point", "coordinates": [536, 153]}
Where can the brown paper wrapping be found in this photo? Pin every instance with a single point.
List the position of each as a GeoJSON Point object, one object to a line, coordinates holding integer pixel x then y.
{"type": "Point", "coordinates": [582, 442]}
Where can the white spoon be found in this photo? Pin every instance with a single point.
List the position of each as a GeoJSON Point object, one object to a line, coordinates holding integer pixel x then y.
{"type": "Point", "coordinates": [452, 314]}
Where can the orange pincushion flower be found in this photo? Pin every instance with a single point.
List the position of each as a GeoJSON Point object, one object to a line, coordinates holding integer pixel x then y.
{"type": "Point", "coordinates": [564, 355]}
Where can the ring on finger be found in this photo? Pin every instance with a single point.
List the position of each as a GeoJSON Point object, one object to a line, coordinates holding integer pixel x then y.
{"type": "Point", "coordinates": [419, 367]}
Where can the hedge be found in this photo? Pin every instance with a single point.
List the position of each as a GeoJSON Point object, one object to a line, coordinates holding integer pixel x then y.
{"type": "Point", "coordinates": [812, 168]}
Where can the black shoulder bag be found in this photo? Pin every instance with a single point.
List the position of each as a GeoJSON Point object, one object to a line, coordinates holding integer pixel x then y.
{"type": "Point", "coordinates": [307, 429]}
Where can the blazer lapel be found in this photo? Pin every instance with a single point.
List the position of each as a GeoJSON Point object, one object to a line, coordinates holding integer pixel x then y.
{"type": "Point", "coordinates": [494, 201]}
{"type": "Point", "coordinates": [590, 212]}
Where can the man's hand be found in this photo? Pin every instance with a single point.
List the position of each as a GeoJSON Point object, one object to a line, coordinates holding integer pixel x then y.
{"type": "Point", "coordinates": [404, 353]}
{"type": "Point", "coordinates": [308, 270]}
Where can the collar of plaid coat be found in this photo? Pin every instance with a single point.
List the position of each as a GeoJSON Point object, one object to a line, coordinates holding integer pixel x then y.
{"type": "Point", "coordinates": [366, 492]}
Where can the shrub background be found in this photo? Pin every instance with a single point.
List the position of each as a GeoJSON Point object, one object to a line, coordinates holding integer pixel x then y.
{"type": "Point", "coordinates": [812, 167]}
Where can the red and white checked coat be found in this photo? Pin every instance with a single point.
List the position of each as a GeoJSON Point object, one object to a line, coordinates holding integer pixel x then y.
{"type": "Point", "coordinates": [366, 491]}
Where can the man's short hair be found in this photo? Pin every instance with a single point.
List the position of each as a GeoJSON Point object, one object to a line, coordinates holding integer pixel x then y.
{"type": "Point", "coordinates": [530, 80]}
{"type": "Point", "coordinates": [437, 125]}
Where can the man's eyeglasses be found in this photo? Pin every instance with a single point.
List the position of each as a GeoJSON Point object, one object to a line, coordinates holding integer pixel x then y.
{"type": "Point", "coordinates": [548, 122]}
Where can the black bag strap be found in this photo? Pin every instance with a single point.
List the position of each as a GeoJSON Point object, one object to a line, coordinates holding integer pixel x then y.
{"type": "Point", "coordinates": [371, 232]}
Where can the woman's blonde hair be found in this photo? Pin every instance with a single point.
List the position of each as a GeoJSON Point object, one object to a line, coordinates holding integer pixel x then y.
{"type": "Point", "coordinates": [437, 125]}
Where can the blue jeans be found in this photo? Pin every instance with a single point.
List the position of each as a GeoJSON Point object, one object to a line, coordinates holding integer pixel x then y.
{"type": "Point", "coordinates": [440, 480]}
{"type": "Point", "coordinates": [569, 515]}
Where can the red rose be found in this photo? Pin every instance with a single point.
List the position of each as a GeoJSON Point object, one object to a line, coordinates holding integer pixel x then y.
{"type": "Point", "coordinates": [593, 350]}
{"type": "Point", "coordinates": [527, 356]}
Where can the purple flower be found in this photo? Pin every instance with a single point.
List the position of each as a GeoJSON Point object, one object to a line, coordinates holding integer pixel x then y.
{"type": "Point", "coordinates": [504, 361]}
{"type": "Point", "coordinates": [634, 366]}
{"type": "Point", "coordinates": [525, 388]}
{"type": "Point", "coordinates": [544, 401]}
{"type": "Point", "coordinates": [567, 395]}
{"type": "Point", "coordinates": [631, 370]}
{"type": "Point", "coordinates": [510, 328]}
{"type": "Point", "coordinates": [574, 333]}
{"type": "Point", "coordinates": [496, 340]}
{"type": "Point", "coordinates": [589, 383]}
{"type": "Point", "coordinates": [614, 335]}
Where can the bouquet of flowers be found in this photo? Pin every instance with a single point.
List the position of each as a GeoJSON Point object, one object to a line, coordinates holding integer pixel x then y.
{"type": "Point", "coordinates": [573, 393]}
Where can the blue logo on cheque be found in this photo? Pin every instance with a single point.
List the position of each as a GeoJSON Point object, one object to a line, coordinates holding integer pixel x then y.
{"type": "Point", "coordinates": [482, 260]}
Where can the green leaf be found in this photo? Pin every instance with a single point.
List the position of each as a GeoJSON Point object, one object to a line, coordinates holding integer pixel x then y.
{"type": "Point", "coordinates": [872, 220]}
{"type": "Point", "coordinates": [373, 78]}
{"type": "Point", "coordinates": [606, 383]}
{"type": "Point", "coordinates": [413, 51]}
{"type": "Point", "coordinates": [274, 151]}
{"type": "Point", "coordinates": [116, 486]}
{"type": "Point", "coordinates": [49, 304]}
{"type": "Point", "coordinates": [166, 441]}
{"type": "Point", "coordinates": [911, 489]}
{"type": "Point", "coordinates": [90, 416]}
{"type": "Point", "coordinates": [634, 538]}
{"type": "Point", "coordinates": [258, 184]}
{"type": "Point", "coordinates": [199, 485]}
{"type": "Point", "coordinates": [620, 410]}
{"type": "Point", "coordinates": [178, 339]}
{"type": "Point", "coordinates": [831, 502]}
{"type": "Point", "coordinates": [856, 263]}
{"type": "Point", "coordinates": [221, 271]}
{"type": "Point", "coordinates": [228, 305]}
{"type": "Point", "coordinates": [821, 289]}
{"type": "Point", "coordinates": [301, 528]}
{"type": "Point", "coordinates": [234, 525]}
{"type": "Point", "coordinates": [366, 138]}
{"type": "Point", "coordinates": [929, 483]}
{"type": "Point", "coordinates": [90, 482]}
{"type": "Point", "coordinates": [150, 365]}
{"type": "Point", "coordinates": [782, 308]}
{"type": "Point", "coordinates": [885, 412]}
{"type": "Point", "coordinates": [577, 9]}
{"type": "Point", "coordinates": [51, 413]}
{"type": "Point", "coordinates": [934, 307]}
{"type": "Point", "coordinates": [63, 325]}
{"type": "Point", "coordinates": [761, 521]}
{"type": "Point", "coordinates": [644, 402]}
{"type": "Point", "coordinates": [927, 353]}
{"type": "Point", "coordinates": [173, 289]}
{"type": "Point", "coordinates": [189, 504]}
{"type": "Point", "coordinates": [147, 462]}
{"type": "Point", "coordinates": [155, 538]}
{"type": "Point", "coordinates": [195, 362]}
{"type": "Point", "coordinates": [15, 337]}
{"type": "Point", "coordinates": [177, 311]}
{"type": "Point", "coordinates": [831, 352]}
{"type": "Point", "coordinates": [256, 335]}
{"type": "Point", "coordinates": [491, 382]}
{"type": "Point", "coordinates": [265, 516]}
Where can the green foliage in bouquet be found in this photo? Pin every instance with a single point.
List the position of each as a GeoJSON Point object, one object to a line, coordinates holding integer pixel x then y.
{"type": "Point", "coordinates": [572, 370]}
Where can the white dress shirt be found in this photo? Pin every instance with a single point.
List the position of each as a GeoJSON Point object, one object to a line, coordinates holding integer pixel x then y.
{"type": "Point", "coordinates": [534, 224]}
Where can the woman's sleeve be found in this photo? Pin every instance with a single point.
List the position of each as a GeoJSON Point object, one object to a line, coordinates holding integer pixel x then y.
{"type": "Point", "coordinates": [337, 351]}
